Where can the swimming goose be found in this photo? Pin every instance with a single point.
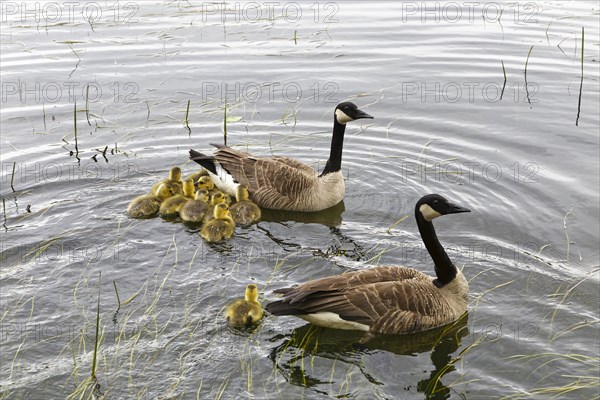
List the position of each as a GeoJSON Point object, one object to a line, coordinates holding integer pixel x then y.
{"type": "Point", "coordinates": [283, 183]}
{"type": "Point", "coordinates": [244, 312]}
{"type": "Point", "coordinates": [148, 205]}
{"type": "Point", "coordinates": [173, 205]}
{"type": "Point", "coordinates": [174, 182]}
{"type": "Point", "coordinates": [194, 210]}
{"type": "Point", "coordinates": [221, 227]}
{"type": "Point", "coordinates": [388, 300]}
{"type": "Point", "coordinates": [244, 212]}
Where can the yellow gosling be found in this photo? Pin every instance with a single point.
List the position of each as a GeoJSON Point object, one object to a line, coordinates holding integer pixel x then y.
{"type": "Point", "coordinates": [222, 227]}
{"type": "Point", "coordinates": [244, 212]}
{"type": "Point", "coordinates": [245, 312]}
{"type": "Point", "coordinates": [148, 205]}
{"type": "Point", "coordinates": [173, 182]}
{"type": "Point", "coordinates": [197, 175]}
{"type": "Point", "coordinates": [205, 182]}
{"type": "Point", "coordinates": [174, 204]}
{"type": "Point", "coordinates": [217, 198]}
{"type": "Point", "coordinates": [194, 210]}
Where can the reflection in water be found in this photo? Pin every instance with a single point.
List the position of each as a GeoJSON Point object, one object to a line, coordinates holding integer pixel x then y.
{"type": "Point", "coordinates": [311, 342]}
{"type": "Point", "coordinates": [330, 217]}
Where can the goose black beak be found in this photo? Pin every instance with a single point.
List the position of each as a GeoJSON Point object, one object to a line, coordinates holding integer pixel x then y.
{"type": "Point", "coordinates": [454, 209]}
{"type": "Point", "coordinates": [361, 114]}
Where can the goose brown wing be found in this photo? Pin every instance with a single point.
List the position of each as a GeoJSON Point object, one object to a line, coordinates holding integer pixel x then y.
{"type": "Point", "coordinates": [362, 297]}
{"type": "Point", "coordinates": [267, 177]}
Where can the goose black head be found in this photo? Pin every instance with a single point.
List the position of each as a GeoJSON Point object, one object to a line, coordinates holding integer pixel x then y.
{"type": "Point", "coordinates": [433, 205]}
{"type": "Point", "coordinates": [347, 111]}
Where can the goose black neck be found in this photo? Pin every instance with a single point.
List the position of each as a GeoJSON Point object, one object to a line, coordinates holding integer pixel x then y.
{"type": "Point", "coordinates": [444, 269]}
{"type": "Point", "coordinates": [334, 163]}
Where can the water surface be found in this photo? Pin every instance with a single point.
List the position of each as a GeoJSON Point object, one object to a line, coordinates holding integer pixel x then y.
{"type": "Point", "coordinates": [446, 121]}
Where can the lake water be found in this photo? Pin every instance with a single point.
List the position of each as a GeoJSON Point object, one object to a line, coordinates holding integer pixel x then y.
{"type": "Point", "coordinates": [455, 114]}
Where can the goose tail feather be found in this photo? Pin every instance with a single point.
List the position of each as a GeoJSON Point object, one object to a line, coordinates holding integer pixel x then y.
{"type": "Point", "coordinates": [205, 161]}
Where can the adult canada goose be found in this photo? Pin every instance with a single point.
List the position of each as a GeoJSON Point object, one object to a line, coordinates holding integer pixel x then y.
{"type": "Point", "coordinates": [244, 212]}
{"type": "Point", "coordinates": [222, 227]}
{"type": "Point", "coordinates": [247, 311]}
{"type": "Point", "coordinates": [173, 205]}
{"type": "Point", "coordinates": [283, 183]}
{"type": "Point", "coordinates": [194, 210]}
{"type": "Point", "coordinates": [388, 300]}
{"type": "Point", "coordinates": [148, 205]}
{"type": "Point", "coordinates": [174, 182]}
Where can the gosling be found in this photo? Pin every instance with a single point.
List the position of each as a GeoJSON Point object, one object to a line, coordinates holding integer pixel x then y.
{"type": "Point", "coordinates": [205, 182]}
{"type": "Point", "coordinates": [148, 205]}
{"type": "Point", "coordinates": [222, 227]}
{"type": "Point", "coordinates": [194, 210]}
{"type": "Point", "coordinates": [245, 312]}
{"type": "Point", "coordinates": [244, 212]}
{"type": "Point", "coordinates": [174, 204]}
{"type": "Point", "coordinates": [217, 198]}
{"type": "Point", "coordinates": [173, 182]}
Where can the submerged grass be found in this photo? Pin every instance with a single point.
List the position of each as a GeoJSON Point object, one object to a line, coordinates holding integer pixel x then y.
{"type": "Point", "coordinates": [581, 79]}
{"type": "Point", "coordinates": [526, 86]}
{"type": "Point", "coordinates": [588, 381]}
{"type": "Point", "coordinates": [12, 176]}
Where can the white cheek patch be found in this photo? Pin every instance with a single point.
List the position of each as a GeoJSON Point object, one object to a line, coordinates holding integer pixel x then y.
{"type": "Point", "coordinates": [428, 212]}
{"type": "Point", "coordinates": [342, 117]}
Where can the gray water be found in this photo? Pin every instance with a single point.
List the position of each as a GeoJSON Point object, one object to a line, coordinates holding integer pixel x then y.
{"type": "Point", "coordinates": [446, 121]}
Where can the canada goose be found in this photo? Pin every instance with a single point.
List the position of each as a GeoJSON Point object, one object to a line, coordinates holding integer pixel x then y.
{"type": "Point", "coordinates": [215, 199]}
{"type": "Point", "coordinates": [221, 227]}
{"type": "Point", "coordinates": [388, 300]}
{"type": "Point", "coordinates": [148, 205]}
{"type": "Point", "coordinates": [283, 183]}
{"type": "Point", "coordinates": [173, 204]}
{"type": "Point", "coordinates": [174, 181]}
{"type": "Point", "coordinates": [244, 212]}
{"type": "Point", "coordinates": [194, 210]}
{"type": "Point", "coordinates": [244, 312]}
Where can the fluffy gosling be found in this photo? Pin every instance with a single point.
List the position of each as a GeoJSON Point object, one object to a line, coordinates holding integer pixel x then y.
{"type": "Point", "coordinates": [173, 182]}
{"type": "Point", "coordinates": [245, 312]}
{"type": "Point", "coordinates": [194, 210]}
{"type": "Point", "coordinates": [173, 205]}
{"type": "Point", "coordinates": [222, 227]}
{"type": "Point", "coordinates": [244, 212]}
{"type": "Point", "coordinates": [148, 205]}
